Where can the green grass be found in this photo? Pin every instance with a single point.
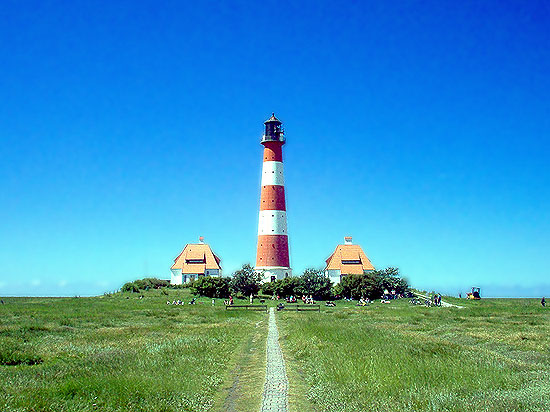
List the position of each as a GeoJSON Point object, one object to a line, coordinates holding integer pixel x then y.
{"type": "Point", "coordinates": [493, 355]}
{"type": "Point", "coordinates": [121, 353]}
{"type": "Point", "coordinates": [114, 353]}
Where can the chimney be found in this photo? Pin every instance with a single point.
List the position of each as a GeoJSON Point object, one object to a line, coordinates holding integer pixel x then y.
{"type": "Point", "coordinates": [347, 240]}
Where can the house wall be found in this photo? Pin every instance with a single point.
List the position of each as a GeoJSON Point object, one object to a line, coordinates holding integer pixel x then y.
{"type": "Point", "coordinates": [176, 278]}
{"type": "Point", "coordinates": [333, 275]}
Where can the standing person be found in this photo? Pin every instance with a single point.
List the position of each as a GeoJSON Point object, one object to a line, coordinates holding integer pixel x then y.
{"type": "Point", "coordinates": [251, 298]}
{"type": "Point", "coordinates": [543, 301]}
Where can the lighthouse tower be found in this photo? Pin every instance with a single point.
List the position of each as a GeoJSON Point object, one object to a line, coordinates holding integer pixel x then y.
{"type": "Point", "coordinates": [272, 256]}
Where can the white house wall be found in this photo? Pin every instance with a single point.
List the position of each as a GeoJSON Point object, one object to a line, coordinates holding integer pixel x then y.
{"type": "Point", "coordinates": [333, 275]}
{"type": "Point", "coordinates": [176, 278]}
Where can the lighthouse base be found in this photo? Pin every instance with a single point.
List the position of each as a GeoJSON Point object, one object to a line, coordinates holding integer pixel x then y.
{"type": "Point", "coordinates": [271, 274]}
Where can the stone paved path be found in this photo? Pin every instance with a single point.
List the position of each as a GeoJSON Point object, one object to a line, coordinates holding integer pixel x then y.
{"type": "Point", "coordinates": [276, 383]}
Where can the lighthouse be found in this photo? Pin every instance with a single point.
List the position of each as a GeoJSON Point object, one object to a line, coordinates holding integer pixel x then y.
{"type": "Point", "coordinates": [272, 257]}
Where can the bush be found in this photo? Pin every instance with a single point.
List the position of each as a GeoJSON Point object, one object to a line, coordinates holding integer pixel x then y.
{"type": "Point", "coordinates": [372, 284]}
{"type": "Point", "coordinates": [144, 284]}
{"type": "Point", "coordinates": [270, 288]}
{"type": "Point", "coordinates": [316, 283]}
{"type": "Point", "coordinates": [246, 281]}
{"type": "Point", "coordinates": [312, 282]}
{"type": "Point", "coordinates": [129, 287]}
{"type": "Point", "coordinates": [212, 287]}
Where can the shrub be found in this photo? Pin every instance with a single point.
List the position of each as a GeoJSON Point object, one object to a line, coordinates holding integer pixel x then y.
{"type": "Point", "coordinates": [129, 287]}
{"type": "Point", "coordinates": [246, 281]}
{"type": "Point", "coordinates": [144, 284]}
{"type": "Point", "coordinates": [372, 284]}
{"type": "Point", "coordinates": [315, 283]}
{"type": "Point", "coordinates": [212, 287]}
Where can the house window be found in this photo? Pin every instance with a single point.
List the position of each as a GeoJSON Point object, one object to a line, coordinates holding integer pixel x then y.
{"type": "Point", "coordinates": [195, 261]}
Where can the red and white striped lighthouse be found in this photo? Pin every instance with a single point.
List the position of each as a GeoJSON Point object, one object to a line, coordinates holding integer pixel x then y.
{"type": "Point", "coordinates": [272, 256]}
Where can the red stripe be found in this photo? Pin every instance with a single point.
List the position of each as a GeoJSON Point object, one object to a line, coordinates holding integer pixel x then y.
{"type": "Point", "coordinates": [273, 198]}
{"type": "Point", "coordinates": [273, 152]}
{"type": "Point", "coordinates": [272, 251]}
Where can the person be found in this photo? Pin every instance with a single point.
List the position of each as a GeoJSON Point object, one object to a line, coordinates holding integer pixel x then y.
{"type": "Point", "coordinates": [2, 301]}
{"type": "Point", "coordinates": [251, 298]}
{"type": "Point", "coordinates": [459, 295]}
{"type": "Point", "coordinates": [543, 301]}
{"type": "Point", "coordinates": [230, 300]}
{"type": "Point", "coordinates": [213, 302]}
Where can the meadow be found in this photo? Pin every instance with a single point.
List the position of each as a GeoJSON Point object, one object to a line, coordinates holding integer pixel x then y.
{"type": "Point", "coordinates": [492, 355]}
{"type": "Point", "coordinates": [123, 353]}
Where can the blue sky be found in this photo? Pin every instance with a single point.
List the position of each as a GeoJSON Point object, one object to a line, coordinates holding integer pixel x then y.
{"type": "Point", "coordinates": [128, 129]}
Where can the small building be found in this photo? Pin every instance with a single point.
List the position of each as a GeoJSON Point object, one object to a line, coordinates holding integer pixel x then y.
{"type": "Point", "coordinates": [347, 259]}
{"type": "Point", "coordinates": [195, 260]}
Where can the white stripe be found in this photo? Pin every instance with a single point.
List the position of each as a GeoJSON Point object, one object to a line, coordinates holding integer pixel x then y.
{"type": "Point", "coordinates": [272, 174]}
{"type": "Point", "coordinates": [272, 222]}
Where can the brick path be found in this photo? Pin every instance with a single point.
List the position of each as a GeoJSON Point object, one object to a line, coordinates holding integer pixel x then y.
{"type": "Point", "coordinates": [276, 383]}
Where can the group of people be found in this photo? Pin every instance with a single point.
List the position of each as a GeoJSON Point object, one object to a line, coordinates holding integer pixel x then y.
{"type": "Point", "coordinates": [306, 300]}
{"type": "Point", "coordinates": [228, 302]}
{"type": "Point", "coordinates": [181, 302]}
{"type": "Point", "coordinates": [436, 299]}
{"type": "Point", "coordinates": [363, 302]}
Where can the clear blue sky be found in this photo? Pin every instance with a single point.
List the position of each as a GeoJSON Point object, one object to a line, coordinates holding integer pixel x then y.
{"type": "Point", "coordinates": [128, 129]}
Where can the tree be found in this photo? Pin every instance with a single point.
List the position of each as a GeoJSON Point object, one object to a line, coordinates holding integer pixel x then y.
{"type": "Point", "coordinates": [129, 287]}
{"type": "Point", "coordinates": [391, 279]}
{"type": "Point", "coordinates": [372, 284]}
{"type": "Point", "coordinates": [350, 286]}
{"type": "Point", "coordinates": [246, 281]}
{"type": "Point", "coordinates": [210, 286]}
{"type": "Point", "coordinates": [315, 283]}
{"type": "Point", "coordinates": [290, 286]}
{"type": "Point", "coordinates": [270, 288]}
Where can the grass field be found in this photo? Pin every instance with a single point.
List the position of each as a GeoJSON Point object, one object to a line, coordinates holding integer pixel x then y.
{"type": "Point", "coordinates": [121, 353]}
{"type": "Point", "coordinates": [113, 353]}
{"type": "Point", "coordinates": [493, 355]}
